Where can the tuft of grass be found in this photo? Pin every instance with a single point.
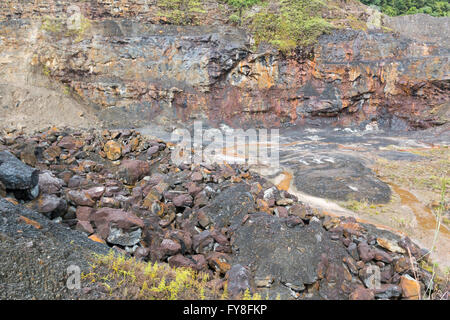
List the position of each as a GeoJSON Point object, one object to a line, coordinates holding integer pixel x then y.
{"type": "Point", "coordinates": [181, 12]}
{"type": "Point", "coordinates": [52, 25]}
{"type": "Point", "coordinates": [46, 71]}
{"type": "Point", "coordinates": [66, 90]}
{"type": "Point", "coordinates": [356, 206]}
{"type": "Point", "coordinates": [129, 278]}
{"type": "Point", "coordinates": [79, 33]}
{"type": "Point", "coordinates": [439, 211]}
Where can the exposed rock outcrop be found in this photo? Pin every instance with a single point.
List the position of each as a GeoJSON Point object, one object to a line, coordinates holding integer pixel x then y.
{"type": "Point", "coordinates": [132, 70]}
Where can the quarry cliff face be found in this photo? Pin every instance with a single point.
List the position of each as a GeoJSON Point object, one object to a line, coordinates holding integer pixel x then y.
{"type": "Point", "coordinates": [132, 69]}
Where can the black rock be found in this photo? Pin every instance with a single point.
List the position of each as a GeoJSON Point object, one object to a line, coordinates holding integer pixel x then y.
{"type": "Point", "coordinates": [18, 177]}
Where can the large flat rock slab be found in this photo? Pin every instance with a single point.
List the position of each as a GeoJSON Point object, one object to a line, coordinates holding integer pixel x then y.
{"type": "Point", "coordinates": [339, 177]}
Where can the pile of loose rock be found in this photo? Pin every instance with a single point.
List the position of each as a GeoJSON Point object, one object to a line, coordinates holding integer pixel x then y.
{"type": "Point", "coordinates": [123, 190]}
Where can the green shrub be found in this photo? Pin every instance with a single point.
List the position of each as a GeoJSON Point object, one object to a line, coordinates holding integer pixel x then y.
{"type": "Point", "coordinates": [297, 23]}
{"type": "Point", "coordinates": [401, 7]}
{"type": "Point", "coordinates": [234, 18]}
{"type": "Point", "coordinates": [240, 5]}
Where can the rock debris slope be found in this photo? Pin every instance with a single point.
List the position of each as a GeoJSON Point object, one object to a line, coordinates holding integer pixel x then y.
{"type": "Point", "coordinates": [218, 219]}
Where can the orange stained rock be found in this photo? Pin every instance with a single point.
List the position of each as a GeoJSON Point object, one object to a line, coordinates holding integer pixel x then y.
{"type": "Point", "coordinates": [96, 238]}
{"type": "Point", "coordinates": [13, 201]}
{"type": "Point", "coordinates": [360, 220]}
{"type": "Point", "coordinates": [390, 245]}
{"type": "Point", "coordinates": [410, 288]}
{"type": "Point", "coordinates": [113, 150]}
{"type": "Point", "coordinates": [258, 188]}
{"type": "Point", "coordinates": [263, 206]}
{"type": "Point", "coordinates": [266, 79]}
{"type": "Point", "coordinates": [235, 179]}
{"type": "Point", "coordinates": [245, 175]}
{"type": "Point", "coordinates": [285, 184]}
{"type": "Point", "coordinates": [223, 266]}
{"type": "Point", "coordinates": [30, 222]}
{"type": "Point", "coordinates": [351, 227]}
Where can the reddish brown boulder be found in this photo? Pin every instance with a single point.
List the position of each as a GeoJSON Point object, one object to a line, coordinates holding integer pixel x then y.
{"type": "Point", "coordinates": [95, 193]}
{"type": "Point", "coordinates": [106, 217]}
{"type": "Point", "coordinates": [84, 213]}
{"type": "Point", "coordinates": [170, 247]}
{"type": "Point", "coordinates": [84, 226]}
{"type": "Point", "coordinates": [180, 261]}
{"type": "Point", "coordinates": [49, 184]}
{"type": "Point", "coordinates": [131, 171]}
{"type": "Point", "coordinates": [70, 143]}
{"type": "Point", "coordinates": [197, 177]}
{"type": "Point", "coordinates": [366, 253]}
{"type": "Point", "coordinates": [183, 200]}
{"type": "Point", "coordinates": [80, 198]}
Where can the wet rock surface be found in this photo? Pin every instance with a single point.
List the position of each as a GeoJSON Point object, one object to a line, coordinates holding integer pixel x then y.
{"type": "Point", "coordinates": [218, 219]}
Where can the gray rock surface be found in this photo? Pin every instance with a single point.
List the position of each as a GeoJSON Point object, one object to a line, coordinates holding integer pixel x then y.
{"type": "Point", "coordinates": [38, 258]}
{"type": "Point", "coordinates": [289, 256]}
{"type": "Point", "coordinates": [341, 177]}
{"type": "Point", "coordinates": [231, 205]}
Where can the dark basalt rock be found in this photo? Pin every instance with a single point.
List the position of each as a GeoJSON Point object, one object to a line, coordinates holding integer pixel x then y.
{"type": "Point", "coordinates": [231, 205]}
{"type": "Point", "coordinates": [18, 177]}
{"type": "Point", "coordinates": [342, 178]}
{"type": "Point", "coordinates": [41, 254]}
{"type": "Point", "coordinates": [290, 256]}
{"type": "Point", "coordinates": [239, 280]}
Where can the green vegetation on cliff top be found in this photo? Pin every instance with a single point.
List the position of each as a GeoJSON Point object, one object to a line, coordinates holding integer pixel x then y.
{"type": "Point", "coordinates": [287, 24]}
{"type": "Point", "coordinates": [436, 8]}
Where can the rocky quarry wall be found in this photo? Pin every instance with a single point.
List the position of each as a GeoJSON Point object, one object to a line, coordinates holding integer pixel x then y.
{"type": "Point", "coordinates": [130, 68]}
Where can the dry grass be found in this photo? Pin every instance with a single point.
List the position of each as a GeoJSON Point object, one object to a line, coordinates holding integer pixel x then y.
{"type": "Point", "coordinates": [423, 174]}
{"type": "Point", "coordinates": [424, 177]}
